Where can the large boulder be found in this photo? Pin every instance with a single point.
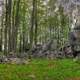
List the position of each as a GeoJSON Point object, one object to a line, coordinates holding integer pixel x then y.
{"type": "Point", "coordinates": [74, 39]}
{"type": "Point", "coordinates": [18, 61]}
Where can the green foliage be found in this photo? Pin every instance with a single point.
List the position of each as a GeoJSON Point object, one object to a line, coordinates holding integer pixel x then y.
{"type": "Point", "coordinates": [33, 23]}
{"type": "Point", "coordinates": [41, 69]}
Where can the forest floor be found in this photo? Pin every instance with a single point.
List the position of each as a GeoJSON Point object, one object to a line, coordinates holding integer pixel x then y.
{"type": "Point", "coordinates": [42, 69]}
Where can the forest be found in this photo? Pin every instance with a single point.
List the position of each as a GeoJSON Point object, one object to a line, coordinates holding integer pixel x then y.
{"type": "Point", "coordinates": [40, 33]}
{"type": "Point", "coordinates": [28, 25]}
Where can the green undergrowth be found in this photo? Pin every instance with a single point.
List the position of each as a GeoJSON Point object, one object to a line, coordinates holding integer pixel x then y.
{"type": "Point", "coordinates": [41, 69]}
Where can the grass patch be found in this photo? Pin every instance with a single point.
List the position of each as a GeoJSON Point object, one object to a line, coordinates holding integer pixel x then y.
{"type": "Point", "coordinates": [41, 69]}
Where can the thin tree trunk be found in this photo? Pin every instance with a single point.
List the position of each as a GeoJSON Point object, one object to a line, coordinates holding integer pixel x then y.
{"type": "Point", "coordinates": [36, 23]}
{"type": "Point", "coordinates": [9, 26]}
{"type": "Point", "coordinates": [6, 28]}
{"type": "Point", "coordinates": [32, 25]}
{"type": "Point", "coordinates": [16, 25]}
